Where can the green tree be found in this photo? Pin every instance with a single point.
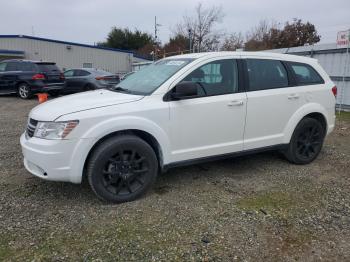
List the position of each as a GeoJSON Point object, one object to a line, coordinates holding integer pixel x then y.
{"type": "Point", "coordinates": [124, 38]}
{"type": "Point", "coordinates": [176, 45]}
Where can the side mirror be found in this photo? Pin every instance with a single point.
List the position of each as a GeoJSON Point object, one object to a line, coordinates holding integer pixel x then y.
{"type": "Point", "coordinates": [185, 89]}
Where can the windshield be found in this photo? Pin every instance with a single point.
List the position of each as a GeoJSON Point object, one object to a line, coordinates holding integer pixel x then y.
{"type": "Point", "coordinates": [149, 78]}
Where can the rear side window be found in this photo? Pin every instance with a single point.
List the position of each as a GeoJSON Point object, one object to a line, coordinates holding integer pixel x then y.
{"type": "Point", "coordinates": [48, 68]}
{"type": "Point", "coordinates": [266, 74]}
{"type": "Point", "coordinates": [12, 66]}
{"type": "Point", "coordinates": [26, 67]}
{"type": "Point", "coordinates": [81, 73]}
{"type": "Point", "coordinates": [305, 74]}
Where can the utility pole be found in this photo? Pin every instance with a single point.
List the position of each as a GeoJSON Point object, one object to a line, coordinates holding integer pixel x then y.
{"type": "Point", "coordinates": [155, 38]}
{"type": "Point", "coordinates": [190, 37]}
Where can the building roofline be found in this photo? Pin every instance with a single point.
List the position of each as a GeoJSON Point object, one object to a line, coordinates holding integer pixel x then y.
{"type": "Point", "coordinates": [66, 43]}
{"type": "Point", "coordinates": [14, 52]}
{"type": "Point", "coordinates": [142, 57]}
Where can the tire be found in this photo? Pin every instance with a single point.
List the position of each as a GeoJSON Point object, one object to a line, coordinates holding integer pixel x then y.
{"type": "Point", "coordinates": [122, 169]}
{"type": "Point", "coordinates": [24, 91]}
{"type": "Point", "coordinates": [306, 142]}
{"type": "Point", "coordinates": [54, 93]}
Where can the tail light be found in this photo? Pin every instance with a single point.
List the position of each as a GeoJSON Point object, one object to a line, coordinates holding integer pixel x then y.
{"type": "Point", "coordinates": [62, 76]}
{"type": "Point", "coordinates": [100, 78]}
{"type": "Point", "coordinates": [38, 77]}
{"type": "Point", "coordinates": [334, 90]}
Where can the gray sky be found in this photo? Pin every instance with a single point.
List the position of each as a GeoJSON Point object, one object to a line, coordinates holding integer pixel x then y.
{"type": "Point", "coordinates": [88, 21]}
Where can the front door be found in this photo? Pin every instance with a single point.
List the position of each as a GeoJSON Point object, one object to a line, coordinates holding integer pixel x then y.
{"type": "Point", "coordinates": [212, 123]}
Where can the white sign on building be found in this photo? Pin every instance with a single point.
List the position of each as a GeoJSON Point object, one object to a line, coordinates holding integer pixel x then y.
{"type": "Point", "coordinates": [343, 39]}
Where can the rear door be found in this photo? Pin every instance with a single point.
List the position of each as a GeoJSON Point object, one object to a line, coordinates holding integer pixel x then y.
{"type": "Point", "coordinates": [272, 100]}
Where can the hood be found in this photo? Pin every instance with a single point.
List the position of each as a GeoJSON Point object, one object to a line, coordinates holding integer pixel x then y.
{"type": "Point", "coordinates": [51, 110]}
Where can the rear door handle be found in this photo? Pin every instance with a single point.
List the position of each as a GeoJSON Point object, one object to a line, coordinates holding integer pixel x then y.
{"type": "Point", "coordinates": [235, 103]}
{"type": "Point", "coordinates": [293, 96]}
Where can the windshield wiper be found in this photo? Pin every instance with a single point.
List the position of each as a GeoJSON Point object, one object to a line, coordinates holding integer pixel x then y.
{"type": "Point", "coordinates": [119, 88]}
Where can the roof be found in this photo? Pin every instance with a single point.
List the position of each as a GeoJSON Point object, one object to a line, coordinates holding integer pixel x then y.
{"type": "Point", "coordinates": [65, 43]}
{"type": "Point", "coordinates": [260, 54]}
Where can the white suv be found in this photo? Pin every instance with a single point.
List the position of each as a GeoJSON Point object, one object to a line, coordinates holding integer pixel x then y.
{"type": "Point", "coordinates": [178, 111]}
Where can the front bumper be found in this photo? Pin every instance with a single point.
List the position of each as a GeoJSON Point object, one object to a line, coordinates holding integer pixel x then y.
{"type": "Point", "coordinates": [54, 160]}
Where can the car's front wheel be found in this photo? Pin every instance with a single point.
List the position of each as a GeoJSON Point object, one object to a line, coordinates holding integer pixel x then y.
{"type": "Point", "coordinates": [24, 91]}
{"type": "Point", "coordinates": [122, 168]}
{"type": "Point", "coordinates": [306, 142]}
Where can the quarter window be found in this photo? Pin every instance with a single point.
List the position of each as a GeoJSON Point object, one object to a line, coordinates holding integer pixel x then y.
{"type": "Point", "coordinates": [266, 74]}
{"type": "Point", "coordinates": [305, 74]}
{"type": "Point", "coordinates": [216, 78]}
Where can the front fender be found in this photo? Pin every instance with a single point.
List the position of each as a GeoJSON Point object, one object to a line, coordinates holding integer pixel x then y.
{"type": "Point", "coordinates": [299, 115]}
{"type": "Point", "coordinates": [112, 125]}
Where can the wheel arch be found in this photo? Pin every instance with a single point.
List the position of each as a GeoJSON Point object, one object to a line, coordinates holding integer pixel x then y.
{"type": "Point", "coordinates": [19, 82]}
{"type": "Point", "coordinates": [145, 136]}
{"type": "Point", "coordinates": [315, 111]}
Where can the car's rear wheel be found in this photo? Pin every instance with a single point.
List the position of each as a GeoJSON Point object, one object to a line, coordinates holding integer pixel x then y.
{"type": "Point", "coordinates": [24, 91]}
{"type": "Point", "coordinates": [306, 142]}
{"type": "Point", "coordinates": [122, 169]}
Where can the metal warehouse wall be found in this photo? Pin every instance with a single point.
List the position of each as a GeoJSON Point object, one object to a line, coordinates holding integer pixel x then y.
{"type": "Point", "coordinates": [333, 60]}
{"type": "Point", "coordinates": [76, 57]}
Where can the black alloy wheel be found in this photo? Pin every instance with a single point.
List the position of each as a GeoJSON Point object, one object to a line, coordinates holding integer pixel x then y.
{"type": "Point", "coordinates": [306, 142]}
{"type": "Point", "coordinates": [121, 169]}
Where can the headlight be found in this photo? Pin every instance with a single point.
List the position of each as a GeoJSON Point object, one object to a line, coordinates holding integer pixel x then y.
{"type": "Point", "coordinates": [54, 130]}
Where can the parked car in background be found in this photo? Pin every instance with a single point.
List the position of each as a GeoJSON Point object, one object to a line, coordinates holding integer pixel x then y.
{"type": "Point", "coordinates": [85, 79]}
{"type": "Point", "coordinates": [26, 78]}
{"type": "Point", "coordinates": [181, 110]}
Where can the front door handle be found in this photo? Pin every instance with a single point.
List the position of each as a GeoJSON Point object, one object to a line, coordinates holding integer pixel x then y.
{"type": "Point", "coordinates": [235, 103]}
{"type": "Point", "coordinates": [293, 96]}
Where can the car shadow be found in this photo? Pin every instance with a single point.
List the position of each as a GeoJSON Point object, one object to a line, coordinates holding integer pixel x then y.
{"type": "Point", "coordinates": [237, 169]}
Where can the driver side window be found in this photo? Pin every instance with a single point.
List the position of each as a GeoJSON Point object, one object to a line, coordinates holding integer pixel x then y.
{"type": "Point", "coordinates": [69, 73]}
{"type": "Point", "coordinates": [216, 78]}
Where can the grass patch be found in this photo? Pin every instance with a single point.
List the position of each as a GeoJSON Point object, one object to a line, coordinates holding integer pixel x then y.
{"type": "Point", "coordinates": [5, 250]}
{"type": "Point", "coordinates": [270, 202]}
{"type": "Point", "coordinates": [132, 239]}
{"type": "Point", "coordinates": [285, 204]}
{"type": "Point", "coordinates": [343, 116]}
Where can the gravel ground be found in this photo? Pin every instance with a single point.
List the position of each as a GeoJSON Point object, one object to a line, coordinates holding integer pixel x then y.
{"type": "Point", "coordinates": [250, 208]}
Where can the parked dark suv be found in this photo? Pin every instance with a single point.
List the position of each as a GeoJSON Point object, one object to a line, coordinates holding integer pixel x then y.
{"type": "Point", "coordinates": [26, 78]}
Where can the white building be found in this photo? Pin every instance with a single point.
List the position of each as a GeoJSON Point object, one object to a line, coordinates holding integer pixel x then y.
{"type": "Point", "coordinates": [66, 54]}
{"type": "Point", "coordinates": [336, 62]}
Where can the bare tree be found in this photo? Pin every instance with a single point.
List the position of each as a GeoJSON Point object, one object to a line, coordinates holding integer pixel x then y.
{"type": "Point", "coordinates": [202, 26]}
{"type": "Point", "coordinates": [232, 42]}
{"type": "Point", "coordinates": [270, 35]}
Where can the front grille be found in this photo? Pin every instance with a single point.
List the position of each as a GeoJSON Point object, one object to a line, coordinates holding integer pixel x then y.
{"type": "Point", "coordinates": [31, 127]}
